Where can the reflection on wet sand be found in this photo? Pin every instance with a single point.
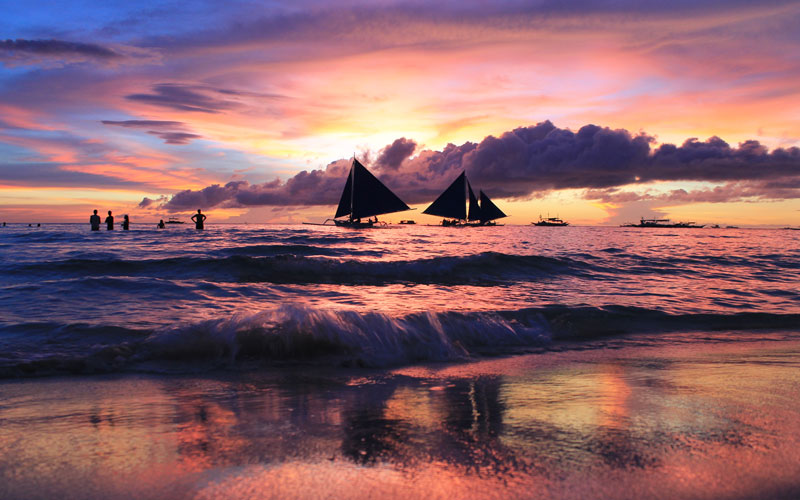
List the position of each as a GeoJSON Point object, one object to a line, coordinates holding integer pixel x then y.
{"type": "Point", "coordinates": [636, 424]}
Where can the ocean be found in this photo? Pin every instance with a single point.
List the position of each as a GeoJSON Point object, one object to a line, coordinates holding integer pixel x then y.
{"type": "Point", "coordinates": [281, 361]}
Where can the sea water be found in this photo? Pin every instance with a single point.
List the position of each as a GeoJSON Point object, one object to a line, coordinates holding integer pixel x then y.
{"type": "Point", "coordinates": [76, 301]}
{"type": "Point", "coordinates": [282, 361]}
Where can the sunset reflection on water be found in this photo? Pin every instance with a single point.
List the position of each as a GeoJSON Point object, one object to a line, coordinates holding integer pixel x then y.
{"type": "Point", "coordinates": [632, 422]}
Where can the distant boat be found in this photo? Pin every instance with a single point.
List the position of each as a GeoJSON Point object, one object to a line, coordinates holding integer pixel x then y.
{"type": "Point", "coordinates": [364, 197]}
{"type": "Point", "coordinates": [174, 220]}
{"type": "Point", "coordinates": [407, 222]}
{"type": "Point", "coordinates": [550, 221]}
{"type": "Point", "coordinates": [663, 223]}
{"type": "Point", "coordinates": [459, 206]}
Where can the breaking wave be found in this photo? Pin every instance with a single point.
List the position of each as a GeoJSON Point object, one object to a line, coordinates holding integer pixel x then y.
{"type": "Point", "coordinates": [292, 334]}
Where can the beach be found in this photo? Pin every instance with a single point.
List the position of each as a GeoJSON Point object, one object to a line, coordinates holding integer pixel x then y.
{"type": "Point", "coordinates": [643, 417]}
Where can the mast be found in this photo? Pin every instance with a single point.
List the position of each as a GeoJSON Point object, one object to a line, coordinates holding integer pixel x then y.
{"type": "Point", "coordinates": [474, 209]}
{"type": "Point", "coordinates": [352, 184]}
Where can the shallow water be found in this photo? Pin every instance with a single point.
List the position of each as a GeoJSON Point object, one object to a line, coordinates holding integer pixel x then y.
{"type": "Point", "coordinates": [649, 416]}
{"type": "Point", "coordinates": [238, 296]}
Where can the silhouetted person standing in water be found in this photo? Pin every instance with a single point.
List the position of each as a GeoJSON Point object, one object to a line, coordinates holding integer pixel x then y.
{"type": "Point", "coordinates": [161, 224]}
{"type": "Point", "coordinates": [109, 221]}
{"type": "Point", "coordinates": [198, 219]}
{"type": "Point", "coordinates": [126, 222]}
{"type": "Point", "coordinates": [94, 221]}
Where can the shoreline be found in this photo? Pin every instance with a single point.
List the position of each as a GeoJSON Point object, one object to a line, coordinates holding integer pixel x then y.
{"type": "Point", "coordinates": [680, 416]}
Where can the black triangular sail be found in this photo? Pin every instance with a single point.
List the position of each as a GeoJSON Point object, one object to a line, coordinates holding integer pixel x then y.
{"type": "Point", "coordinates": [346, 201]}
{"type": "Point", "coordinates": [489, 210]}
{"type": "Point", "coordinates": [364, 195]}
{"type": "Point", "coordinates": [450, 203]}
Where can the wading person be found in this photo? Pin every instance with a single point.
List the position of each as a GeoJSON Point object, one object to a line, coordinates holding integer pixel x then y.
{"type": "Point", "coordinates": [198, 219]}
{"type": "Point", "coordinates": [110, 221]}
{"type": "Point", "coordinates": [94, 221]}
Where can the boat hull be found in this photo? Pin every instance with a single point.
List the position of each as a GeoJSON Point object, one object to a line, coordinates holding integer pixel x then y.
{"type": "Point", "coordinates": [662, 226]}
{"type": "Point", "coordinates": [459, 223]}
{"type": "Point", "coordinates": [352, 224]}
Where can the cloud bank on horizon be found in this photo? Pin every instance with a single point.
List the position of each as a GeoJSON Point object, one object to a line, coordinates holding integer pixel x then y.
{"type": "Point", "coordinates": [527, 161]}
{"type": "Point", "coordinates": [242, 104]}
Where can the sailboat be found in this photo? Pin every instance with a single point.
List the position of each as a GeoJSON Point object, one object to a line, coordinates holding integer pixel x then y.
{"type": "Point", "coordinates": [459, 206]}
{"type": "Point", "coordinates": [364, 197]}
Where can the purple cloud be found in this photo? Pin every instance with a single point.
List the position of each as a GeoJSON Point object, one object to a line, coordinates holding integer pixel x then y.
{"type": "Point", "coordinates": [175, 138]}
{"type": "Point", "coordinates": [144, 123]}
{"type": "Point", "coordinates": [528, 160]}
{"type": "Point", "coordinates": [167, 132]}
{"type": "Point", "coordinates": [733, 191]}
{"type": "Point", "coordinates": [183, 98]}
{"type": "Point", "coordinates": [393, 155]}
{"type": "Point", "coordinates": [14, 49]}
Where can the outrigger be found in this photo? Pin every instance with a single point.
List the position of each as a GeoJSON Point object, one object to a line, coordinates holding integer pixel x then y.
{"type": "Point", "coordinates": [663, 223]}
{"type": "Point", "coordinates": [363, 199]}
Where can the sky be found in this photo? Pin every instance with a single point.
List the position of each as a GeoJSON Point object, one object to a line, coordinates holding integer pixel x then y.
{"type": "Point", "coordinates": [599, 112]}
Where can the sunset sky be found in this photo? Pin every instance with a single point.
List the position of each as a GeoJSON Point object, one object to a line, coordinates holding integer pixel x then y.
{"type": "Point", "coordinates": [597, 111]}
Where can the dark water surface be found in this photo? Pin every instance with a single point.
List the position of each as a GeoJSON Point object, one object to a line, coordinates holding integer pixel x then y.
{"type": "Point", "coordinates": [235, 296]}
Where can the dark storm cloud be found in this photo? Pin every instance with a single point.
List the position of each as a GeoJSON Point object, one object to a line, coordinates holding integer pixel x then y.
{"type": "Point", "coordinates": [56, 48]}
{"type": "Point", "coordinates": [528, 160]}
{"type": "Point", "coordinates": [183, 98]}
{"type": "Point", "coordinates": [393, 155]}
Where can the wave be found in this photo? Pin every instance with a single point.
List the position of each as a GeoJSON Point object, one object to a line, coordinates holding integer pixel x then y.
{"type": "Point", "coordinates": [292, 334]}
{"type": "Point", "coordinates": [295, 249]}
{"type": "Point", "coordinates": [485, 268]}
{"type": "Point", "coordinates": [302, 237]}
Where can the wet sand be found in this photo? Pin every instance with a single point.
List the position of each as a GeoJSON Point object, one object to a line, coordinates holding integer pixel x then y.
{"type": "Point", "coordinates": [678, 416]}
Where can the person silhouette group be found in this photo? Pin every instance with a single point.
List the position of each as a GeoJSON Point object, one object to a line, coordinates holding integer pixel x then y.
{"type": "Point", "coordinates": [94, 221]}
